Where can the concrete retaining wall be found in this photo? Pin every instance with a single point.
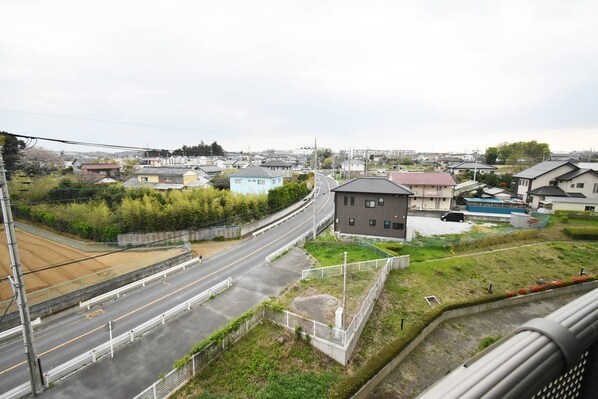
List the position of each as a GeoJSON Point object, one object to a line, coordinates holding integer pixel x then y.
{"type": "Point", "coordinates": [466, 311]}
{"type": "Point", "coordinates": [71, 299]}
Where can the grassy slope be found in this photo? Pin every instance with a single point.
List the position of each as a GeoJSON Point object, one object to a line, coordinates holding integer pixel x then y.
{"type": "Point", "coordinates": [268, 363]}
{"type": "Point", "coordinates": [259, 366]}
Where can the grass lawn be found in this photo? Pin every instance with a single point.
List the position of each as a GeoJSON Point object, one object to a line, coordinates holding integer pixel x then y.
{"type": "Point", "coordinates": [268, 363]}
{"type": "Point", "coordinates": [330, 254]}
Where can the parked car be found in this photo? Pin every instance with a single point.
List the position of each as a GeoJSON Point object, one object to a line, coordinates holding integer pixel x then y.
{"type": "Point", "coordinates": [453, 217]}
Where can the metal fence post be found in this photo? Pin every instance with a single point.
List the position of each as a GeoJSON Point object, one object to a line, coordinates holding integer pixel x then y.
{"type": "Point", "coordinates": [154, 390]}
{"type": "Point", "coordinates": [314, 328]}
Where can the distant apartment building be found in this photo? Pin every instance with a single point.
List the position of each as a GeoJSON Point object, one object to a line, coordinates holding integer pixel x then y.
{"type": "Point", "coordinates": [361, 153]}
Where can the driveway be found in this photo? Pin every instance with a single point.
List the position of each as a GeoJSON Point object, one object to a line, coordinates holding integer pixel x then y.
{"type": "Point", "coordinates": [431, 226]}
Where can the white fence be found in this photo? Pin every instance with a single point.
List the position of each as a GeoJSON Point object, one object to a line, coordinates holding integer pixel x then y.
{"type": "Point", "coordinates": [354, 329]}
{"type": "Point", "coordinates": [337, 270]}
{"type": "Point", "coordinates": [103, 349]}
{"type": "Point", "coordinates": [141, 283]}
{"type": "Point", "coordinates": [303, 238]}
{"type": "Point", "coordinates": [180, 376]}
{"type": "Point", "coordinates": [312, 327]}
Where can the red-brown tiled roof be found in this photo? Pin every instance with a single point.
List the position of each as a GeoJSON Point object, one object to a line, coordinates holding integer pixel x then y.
{"type": "Point", "coordinates": [422, 178]}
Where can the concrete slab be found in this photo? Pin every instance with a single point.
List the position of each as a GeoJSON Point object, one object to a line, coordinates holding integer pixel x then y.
{"type": "Point", "coordinates": [235, 301]}
{"type": "Point", "coordinates": [428, 226]}
{"type": "Point", "coordinates": [295, 260]}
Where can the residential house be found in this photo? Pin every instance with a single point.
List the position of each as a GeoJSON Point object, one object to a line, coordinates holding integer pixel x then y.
{"type": "Point", "coordinates": [209, 171]}
{"type": "Point", "coordinates": [255, 180]}
{"type": "Point", "coordinates": [371, 206]}
{"type": "Point", "coordinates": [279, 165]}
{"type": "Point", "coordinates": [166, 178]}
{"type": "Point", "coordinates": [353, 165]}
{"type": "Point", "coordinates": [431, 191]}
{"type": "Point", "coordinates": [571, 204]}
{"type": "Point", "coordinates": [477, 167]}
{"type": "Point", "coordinates": [100, 173]}
{"type": "Point", "coordinates": [555, 179]}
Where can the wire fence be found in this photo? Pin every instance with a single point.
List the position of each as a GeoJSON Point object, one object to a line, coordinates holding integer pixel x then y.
{"type": "Point", "coordinates": [177, 377]}
{"type": "Point", "coordinates": [292, 321]}
{"type": "Point", "coordinates": [337, 270]}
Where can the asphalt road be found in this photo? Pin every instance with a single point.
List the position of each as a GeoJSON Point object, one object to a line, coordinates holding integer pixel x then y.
{"type": "Point", "coordinates": [71, 333]}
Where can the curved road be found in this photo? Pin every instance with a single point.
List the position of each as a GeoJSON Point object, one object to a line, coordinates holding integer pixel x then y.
{"type": "Point", "coordinates": [68, 335]}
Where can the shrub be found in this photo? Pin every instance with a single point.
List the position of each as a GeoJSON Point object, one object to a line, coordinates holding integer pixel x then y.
{"type": "Point", "coordinates": [579, 279]}
{"type": "Point", "coordinates": [582, 233]}
{"type": "Point", "coordinates": [522, 291]}
{"type": "Point", "coordinates": [537, 287]}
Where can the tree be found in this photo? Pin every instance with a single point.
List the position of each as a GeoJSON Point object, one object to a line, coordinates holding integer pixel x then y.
{"type": "Point", "coordinates": [39, 161]}
{"type": "Point", "coordinates": [221, 181]}
{"type": "Point", "coordinates": [521, 152]}
{"type": "Point", "coordinates": [11, 148]}
{"type": "Point", "coordinates": [491, 155]}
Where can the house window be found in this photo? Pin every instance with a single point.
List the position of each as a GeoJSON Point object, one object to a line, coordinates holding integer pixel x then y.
{"type": "Point", "coordinates": [237, 181]}
{"type": "Point", "coordinates": [397, 226]}
{"type": "Point", "coordinates": [352, 200]}
{"type": "Point", "coordinates": [572, 185]}
{"type": "Point", "coordinates": [590, 208]}
{"type": "Point", "coordinates": [553, 183]}
{"type": "Point", "coordinates": [387, 224]}
{"type": "Point", "coordinates": [143, 178]}
{"type": "Point", "coordinates": [381, 201]}
{"type": "Point", "coordinates": [372, 222]}
{"type": "Point", "coordinates": [370, 204]}
{"type": "Point", "coordinates": [580, 185]}
{"type": "Point", "coordinates": [595, 188]}
{"type": "Point", "coordinates": [345, 200]}
{"type": "Point", "coordinates": [444, 199]}
{"type": "Point", "coordinates": [414, 198]}
{"type": "Point", "coordinates": [261, 182]}
{"type": "Point", "coordinates": [351, 221]}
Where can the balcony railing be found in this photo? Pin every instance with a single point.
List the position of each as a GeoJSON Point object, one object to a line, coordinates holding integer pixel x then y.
{"type": "Point", "coordinates": [552, 357]}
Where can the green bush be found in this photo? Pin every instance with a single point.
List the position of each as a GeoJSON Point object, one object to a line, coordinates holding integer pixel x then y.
{"type": "Point", "coordinates": [582, 233]}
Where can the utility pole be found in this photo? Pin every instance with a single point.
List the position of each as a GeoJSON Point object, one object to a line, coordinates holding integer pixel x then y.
{"type": "Point", "coordinates": [18, 285]}
{"type": "Point", "coordinates": [315, 186]}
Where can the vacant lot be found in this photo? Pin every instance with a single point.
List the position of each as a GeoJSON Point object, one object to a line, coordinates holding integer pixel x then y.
{"type": "Point", "coordinates": [37, 253]}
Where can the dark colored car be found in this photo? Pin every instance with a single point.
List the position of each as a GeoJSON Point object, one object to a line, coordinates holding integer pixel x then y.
{"type": "Point", "coordinates": [453, 217]}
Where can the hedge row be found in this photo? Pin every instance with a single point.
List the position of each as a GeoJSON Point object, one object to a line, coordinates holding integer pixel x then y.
{"type": "Point", "coordinates": [582, 233]}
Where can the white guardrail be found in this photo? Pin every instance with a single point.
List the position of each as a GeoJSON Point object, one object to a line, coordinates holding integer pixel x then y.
{"type": "Point", "coordinates": [17, 330]}
{"type": "Point", "coordinates": [96, 353]}
{"type": "Point", "coordinates": [297, 240]}
{"type": "Point", "coordinates": [140, 283]}
{"type": "Point", "coordinates": [290, 216]}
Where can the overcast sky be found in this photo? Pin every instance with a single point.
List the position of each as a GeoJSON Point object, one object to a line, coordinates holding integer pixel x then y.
{"type": "Point", "coordinates": [253, 75]}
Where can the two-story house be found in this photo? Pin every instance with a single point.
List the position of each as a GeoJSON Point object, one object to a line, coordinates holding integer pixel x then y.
{"type": "Point", "coordinates": [371, 206]}
{"type": "Point", "coordinates": [209, 171]}
{"type": "Point", "coordinates": [279, 165]}
{"type": "Point", "coordinates": [166, 178]}
{"type": "Point", "coordinates": [555, 179]}
{"type": "Point", "coordinates": [431, 191]}
{"type": "Point", "coordinates": [255, 180]}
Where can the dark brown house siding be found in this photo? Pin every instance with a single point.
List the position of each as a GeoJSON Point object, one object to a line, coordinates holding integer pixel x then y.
{"type": "Point", "coordinates": [387, 217]}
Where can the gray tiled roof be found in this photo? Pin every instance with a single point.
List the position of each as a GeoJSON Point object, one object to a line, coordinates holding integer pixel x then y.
{"type": "Point", "coordinates": [374, 185]}
{"type": "Point", "coordinates": [210, 168]}
{"type": "Point", "coordinates": [552, 191]}
{"type": "Point", "coordinates": [258, 171]}
{"type": "Point", "coordinates": [573, 200]}
{"type": "Point", "coordinates": [277, 163]}
{"type": "Point", "coordinates": [164, 171]}
{"type": "Point", "coordinates": [540, 169]}
{"type": "Point", "coordinates": [575, 173]}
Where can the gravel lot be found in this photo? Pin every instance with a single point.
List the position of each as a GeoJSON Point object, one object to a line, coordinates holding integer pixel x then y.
{"type": "Point", "coordinates": [430, 226]}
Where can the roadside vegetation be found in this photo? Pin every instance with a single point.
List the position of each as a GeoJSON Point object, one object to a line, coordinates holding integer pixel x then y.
{"type": "Point", "coordinates": [100, 213]}
{"type": "Point", "coordinates": [494, 269]}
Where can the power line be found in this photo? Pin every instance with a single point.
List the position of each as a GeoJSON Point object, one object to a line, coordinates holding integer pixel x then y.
{"type": "Point", "coordinates": [83, 143]}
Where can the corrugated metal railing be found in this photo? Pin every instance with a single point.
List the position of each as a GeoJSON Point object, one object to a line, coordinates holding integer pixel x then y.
{"type": "Point", "coordinates": [555, 357]}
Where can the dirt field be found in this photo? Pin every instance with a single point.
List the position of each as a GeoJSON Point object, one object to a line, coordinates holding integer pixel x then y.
{"type": "Point", "coordinates": [36, 252]}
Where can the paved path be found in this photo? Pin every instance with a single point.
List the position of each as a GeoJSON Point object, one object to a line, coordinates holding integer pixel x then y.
{"type": "Point", "coordinates": [454, 342]}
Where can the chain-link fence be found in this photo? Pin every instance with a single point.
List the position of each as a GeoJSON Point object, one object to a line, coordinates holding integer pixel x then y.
{"type": "Point", "coordinates": [337, 270]}
{"type": "Point", "coordinates": [314, 328]}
